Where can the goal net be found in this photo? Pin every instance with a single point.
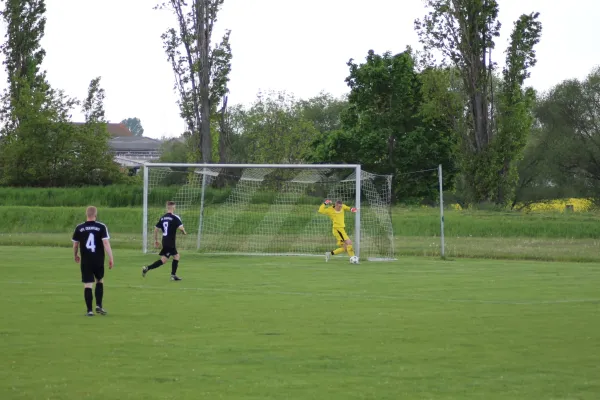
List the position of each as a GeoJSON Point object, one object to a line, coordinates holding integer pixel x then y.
{"type": "Point", "coordinates": [269, 209]}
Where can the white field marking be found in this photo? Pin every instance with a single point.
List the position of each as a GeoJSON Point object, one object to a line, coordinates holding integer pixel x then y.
{"type": "Point", "coordinates": [365, 296]}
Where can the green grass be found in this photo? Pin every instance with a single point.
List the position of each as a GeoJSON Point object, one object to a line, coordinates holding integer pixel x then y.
{"type": "Point", "coordinates": [297, 328]}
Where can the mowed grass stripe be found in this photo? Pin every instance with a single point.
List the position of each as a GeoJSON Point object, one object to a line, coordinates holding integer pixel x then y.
{"type": "Point", "coordinates": [320, 294]}
{"type": "Point", "coordinates": [543, 249]}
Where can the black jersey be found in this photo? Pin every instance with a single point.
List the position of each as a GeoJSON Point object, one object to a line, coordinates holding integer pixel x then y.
{"type": "Point", "coordinates": [90, 235]}
{"type": "Point", "coordinates": [169, 223]}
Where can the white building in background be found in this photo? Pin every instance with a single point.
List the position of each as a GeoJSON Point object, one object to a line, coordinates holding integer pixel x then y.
{"type": "Point", "coordinates": [131, 151]}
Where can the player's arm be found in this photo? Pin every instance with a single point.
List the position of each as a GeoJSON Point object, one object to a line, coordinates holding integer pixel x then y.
{"type": "Point", "coordinates": [180, 225]}
{"type": "Point", "coordinates": [76, 251]}
{"type": "Point", "coordinates": [107, 248]}
{"type": "Point", "coordinates": [347, 208]}
{"type": "Point", "coordinates": [109, 252]}
{"type": "Point", "coordinates": [156, 242]}
{"type": "Point", "coordinates": [75, 240]}
{"type": "Point", "coordinates": [323, 207]}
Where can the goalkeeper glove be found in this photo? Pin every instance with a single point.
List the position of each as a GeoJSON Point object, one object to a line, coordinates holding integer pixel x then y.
{"type": "Point", "coordinates": [327, 202]}
{"type": "Point", "coordinates": [354, 209]}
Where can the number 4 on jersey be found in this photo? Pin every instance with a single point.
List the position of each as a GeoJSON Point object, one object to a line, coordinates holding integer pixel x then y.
{"type": "Point", "coordinates": [91, 243]}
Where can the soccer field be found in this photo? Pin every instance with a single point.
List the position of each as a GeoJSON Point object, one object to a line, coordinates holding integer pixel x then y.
{"type": "Point", "coordinates": [299, 328]}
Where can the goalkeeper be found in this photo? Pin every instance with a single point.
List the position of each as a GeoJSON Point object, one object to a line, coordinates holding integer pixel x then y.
{"type": "Point", "coordinates": [336, 213]}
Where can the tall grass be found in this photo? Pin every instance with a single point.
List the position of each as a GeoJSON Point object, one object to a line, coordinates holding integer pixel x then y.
{"type": "Point", "coordinates": [103, 196]}
{"type": "Point", "coordinates": [426, 222]}
{"type": "Point", "coordinates": [117, 196]}
{"type": "Point", "coordinates": [64, 219]}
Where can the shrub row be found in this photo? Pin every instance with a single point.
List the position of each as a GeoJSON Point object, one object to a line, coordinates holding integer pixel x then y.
{"type": "Point", "coordinates": [118, 196]}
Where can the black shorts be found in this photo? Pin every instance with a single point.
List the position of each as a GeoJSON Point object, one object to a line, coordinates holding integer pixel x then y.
{"type": "Point", "coordinates": [168, 252]}
{"type": "Point", "coordinates": [91, 271]}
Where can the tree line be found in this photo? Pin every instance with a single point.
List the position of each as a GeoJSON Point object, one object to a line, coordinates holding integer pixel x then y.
{"type": "Point", "coordinates": [498, 140]}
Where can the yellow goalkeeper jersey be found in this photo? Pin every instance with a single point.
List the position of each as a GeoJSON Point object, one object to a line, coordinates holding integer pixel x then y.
{"type": "Point", "coordinates": [337, 217]}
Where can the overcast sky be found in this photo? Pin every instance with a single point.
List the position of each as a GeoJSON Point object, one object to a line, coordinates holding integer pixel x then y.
{"type": "Point", "coordinates": [298, 46]}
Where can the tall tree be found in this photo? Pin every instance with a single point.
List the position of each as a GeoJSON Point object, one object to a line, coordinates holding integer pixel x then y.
{"type": "Point", "coordinates": [35, 143]}
{"type": "Point", "coordinates": [39, 146]}
{"type": "Point", "coordinates": [515, 107]}
{"type": "Point", "coordinates": [23, 54]}
{"type": "Point", "coordinates": [464, 31]}
{"type": "Point", "coordinates": [134, 125]}
{"type": "Point", "coordinates": [324, 111]}
{"type": "Point", "coordinates": [236, 142]}
{"type": "Point", "coordinates": [390, 124]}
{"type": "Point", "coordinates": [201, 71]}
{"type": "Point", "coordinates": [563, 159]}
{"type": "Point", "coordinates": [275, 131]}
{"type": "Point", "coordinates": [95, 159]}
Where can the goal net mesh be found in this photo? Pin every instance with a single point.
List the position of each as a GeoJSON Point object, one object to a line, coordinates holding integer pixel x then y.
{"type": "Point", "coordinates": [269, 210]}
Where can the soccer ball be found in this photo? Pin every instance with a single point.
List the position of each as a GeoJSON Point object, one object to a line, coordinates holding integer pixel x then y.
{"type": "Point", "coordinates": [353, 260]}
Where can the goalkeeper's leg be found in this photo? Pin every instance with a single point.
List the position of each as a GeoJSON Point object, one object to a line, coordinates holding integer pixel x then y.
{"type": "Point", "coordinates": [347, 243]}
{"type": "Point", "coordinates": [335, 252]}
{"type": "Point", "coordinates": [340, 243]}
{"type": "Point", "coordinates": [350, 250]}
{"type": "Point", "coordinates": [348, 246]}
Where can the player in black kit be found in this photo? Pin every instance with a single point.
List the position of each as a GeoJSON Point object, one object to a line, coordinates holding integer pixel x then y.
{"type": "Point", "coordinates": [93, 238]}
{"type": "Point", "coordinates": [168, 224]}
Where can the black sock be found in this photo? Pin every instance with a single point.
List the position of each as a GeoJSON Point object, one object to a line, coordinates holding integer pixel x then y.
{"type": "Point", "coordinates": [174, 266]}
{"type": "Point", "coordinates": [156, 264]}
{"type": "Point", "coordinates": [89, 298]}
{"type": "Point", "coordinates": [99, 294]}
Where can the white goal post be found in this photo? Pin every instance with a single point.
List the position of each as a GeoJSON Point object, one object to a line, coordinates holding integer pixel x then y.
{"type": "Point", "coordinates": [269, 209]}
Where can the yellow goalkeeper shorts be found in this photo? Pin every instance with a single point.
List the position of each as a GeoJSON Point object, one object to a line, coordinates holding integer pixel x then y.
{"type": "Point", "coordinates": [340, 235]}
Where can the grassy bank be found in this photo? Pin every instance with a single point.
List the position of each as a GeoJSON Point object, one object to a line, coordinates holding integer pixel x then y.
{"type": "Point", "coordinates": [422, 222]}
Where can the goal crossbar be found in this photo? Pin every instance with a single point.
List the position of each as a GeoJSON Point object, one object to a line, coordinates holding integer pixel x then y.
{"type": "Point", "coordinates": [289, 166]}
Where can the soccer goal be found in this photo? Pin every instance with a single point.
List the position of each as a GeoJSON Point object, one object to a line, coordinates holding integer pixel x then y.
{"type": "Point", "coordinates": [269, 209]}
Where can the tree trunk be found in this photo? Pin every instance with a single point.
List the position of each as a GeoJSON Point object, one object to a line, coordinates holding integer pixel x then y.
{"type": "Point", "coordinates": [203, 49]}
{"type": "Point", "coordinates": [223, 134]}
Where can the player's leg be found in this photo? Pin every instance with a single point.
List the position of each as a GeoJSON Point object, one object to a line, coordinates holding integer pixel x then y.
{"type": "Point", "coordinates": [340, 246]}
{"type": "Point", "coordinates": [164, 256]}
{"type": "Point", "coordinates": [341, 237]}
{"type": "Point", "coordinates": [87, 277]}
{"type": "Point", "coordinates": [347, 242]}
{"type": "Point", "coordinates": [99, 292]}
{"type": "Point", "coordinates": [349, 248]}
{"type": "Point", "coordinates": [89, 298]}
{"type": "Point", "coordinates": [340, 249]}
{"type": "Point", "coordinates": [174, 266]}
